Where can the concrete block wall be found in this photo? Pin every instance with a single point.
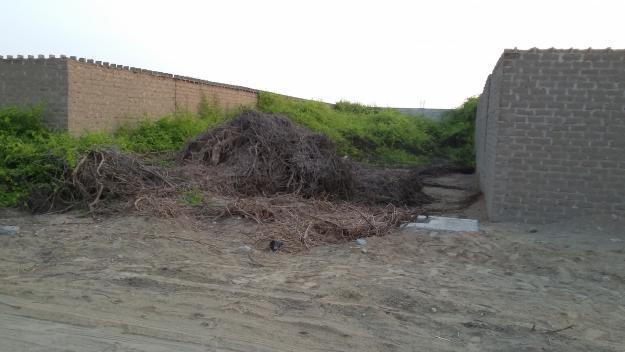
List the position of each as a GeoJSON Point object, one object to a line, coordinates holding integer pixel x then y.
{"type": "Point", "coordinates": [29, 81]}
{"type": "Point", "coordinates": [85, 95]}
{"type": "Point", "coordinates": [550, 135]}
{"type": "Point", "coordinates": [486, 135]}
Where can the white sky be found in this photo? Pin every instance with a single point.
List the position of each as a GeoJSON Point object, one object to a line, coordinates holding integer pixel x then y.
{"type": "Point", "coordinates": [388, 53]}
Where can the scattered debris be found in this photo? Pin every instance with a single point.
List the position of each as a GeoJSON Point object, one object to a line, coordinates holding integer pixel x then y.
{"type": "Point", "coordinates": [361, 241]}
{"type": "Point", "coordinates": [446, 224]}
{"type": "Point", "coordinates": [244, 249]}
{"type": "Point", "coordinates": [533, 230]}
{"type": "Point", "coordinates": [9, 230]}
{"type": "Point", "coordinates": [303, 223]}
{"type": "Point", "coordinates": [558, 330]}
{"type": "Point", "coordinates": [423, 218]}
{"type": "Point", "coordinates": [275, 245]}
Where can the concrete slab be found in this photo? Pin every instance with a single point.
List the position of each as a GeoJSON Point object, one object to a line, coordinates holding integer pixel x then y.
{"type": "Point", "coordinates": [445, 224]}
{"type": "Point", "coordinates": [9, 230]}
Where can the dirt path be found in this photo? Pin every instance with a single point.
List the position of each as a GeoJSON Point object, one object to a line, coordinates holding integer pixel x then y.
{"type": "Point", "coordinates": [142, 284]}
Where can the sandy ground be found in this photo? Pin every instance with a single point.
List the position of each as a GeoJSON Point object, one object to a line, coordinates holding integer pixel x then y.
{"type": "Point", "coordinates": [71, 283]}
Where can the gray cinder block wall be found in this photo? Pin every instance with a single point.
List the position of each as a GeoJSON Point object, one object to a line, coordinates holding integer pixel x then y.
{"type": "Point", "coordinates": [33, 81]}
{"type": "Point", "coordinates": [85, 95]}
{"type": "Point", "coordinates": [550, 135]}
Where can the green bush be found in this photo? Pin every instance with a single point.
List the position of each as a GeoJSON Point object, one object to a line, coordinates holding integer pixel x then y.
{"type": "Point", "coordinates": [21, 122]}
{"type": "Point", "coordinates": [210, 112]}
{"type": "Point", "coordinates": [32, 157]}
{"type": "Point", "coordinates": [166, 134]}
{"type": "Point", "coordinates": [369, 134]}
{"type": "Point", "coordinates": [457, 133]}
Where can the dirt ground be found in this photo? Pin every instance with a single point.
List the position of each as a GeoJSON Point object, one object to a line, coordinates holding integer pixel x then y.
{"type": "Point", "coordinates": [73, 283]}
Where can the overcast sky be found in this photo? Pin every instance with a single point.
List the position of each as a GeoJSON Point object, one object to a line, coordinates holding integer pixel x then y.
{"type": "Point", "coordinates": [389, 53]}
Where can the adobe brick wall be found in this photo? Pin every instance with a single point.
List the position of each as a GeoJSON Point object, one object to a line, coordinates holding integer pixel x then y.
{"type": "Point", "coordinates": [83, 95]}
{"type": "Point", "coordinates": [550, 135]}
{"type": "Point", "coordinates": [32, 81]}
{"type": "Point", "coordinates": [102, 97]}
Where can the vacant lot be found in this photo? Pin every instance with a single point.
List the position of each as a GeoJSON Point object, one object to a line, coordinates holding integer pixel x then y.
{"type": "Point", "coordinates": [70, 283]}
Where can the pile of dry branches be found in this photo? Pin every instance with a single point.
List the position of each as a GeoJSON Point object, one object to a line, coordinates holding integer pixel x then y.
{"type": "Point", "coordinates": [260, 154]}
{"type": "Point", "coordinates": [389, 186]}
{"type": "Point", "coordinates": [303, 223]}
{"type": "Point", "coordinates": [105, 181]}
{"type": "Point", "coordinates": [268, 154]}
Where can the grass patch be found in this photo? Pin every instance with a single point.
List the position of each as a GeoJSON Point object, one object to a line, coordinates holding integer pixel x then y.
{"type": "Point", "coordinates": [193, 198]}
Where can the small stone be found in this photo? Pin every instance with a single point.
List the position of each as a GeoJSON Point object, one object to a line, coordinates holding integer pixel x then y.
{"type": "Point", "coordinates": [533, 230]}
{"type": "Point", "coordinates": [434, 310]}
{"type": "Point", "coordinates": [245, 248]}
{"type": "Point", "coordinates": [363, 250]}
{"type": "Point", "coordinates": [593, 334]}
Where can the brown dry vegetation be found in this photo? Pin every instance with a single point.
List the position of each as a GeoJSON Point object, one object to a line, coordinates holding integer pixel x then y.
{"type": "Point", "coordinates": [258, 166]}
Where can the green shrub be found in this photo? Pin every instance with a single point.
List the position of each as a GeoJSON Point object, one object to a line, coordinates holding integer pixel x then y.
{"type": "Point", "coordinates": [166, 134]}
{"type": "Point", "coordinates": [369, 134]}
{"type": "Point", "coordinates": [32, 157]}
{"type": "Point", "coordinates": [457, 133]}
{"type": "Point", "coordinates": [210, 111]}
{"type": "Point", "coordinates": [21, 122]}
{"type": "Point", "coordinates": [356, 108]}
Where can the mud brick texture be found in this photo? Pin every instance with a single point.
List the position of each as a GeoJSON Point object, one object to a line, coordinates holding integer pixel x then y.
{"type": "Point", "coordinates": [550, 135]}
{"type": "Point", "coordinates": [81, 95]}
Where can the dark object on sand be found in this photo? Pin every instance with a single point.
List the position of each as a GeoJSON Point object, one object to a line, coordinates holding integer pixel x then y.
{"type": "Point", "coordinates": [275, 245]}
